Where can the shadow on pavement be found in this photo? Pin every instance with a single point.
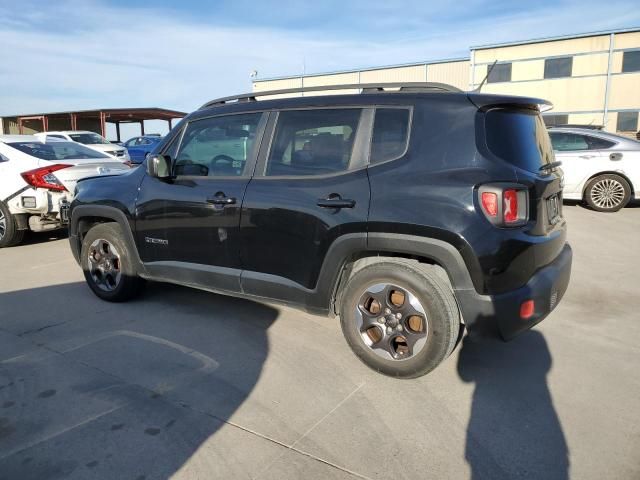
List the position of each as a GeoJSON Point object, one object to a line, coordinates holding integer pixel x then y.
{"type": "Point", "coordinates": [31, 238]}
{"type": "Point", "coordinates": [126, 390]}
{"type": "Point", "coordinates": [514, 430]}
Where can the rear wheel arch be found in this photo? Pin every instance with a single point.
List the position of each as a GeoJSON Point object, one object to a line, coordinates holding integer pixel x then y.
{"type": "Point", "coordinates": [607, 172]}
{"type": "Point", "coordinates": [367, 258]}
{"type": "Point", "coordinates": [446, 260]}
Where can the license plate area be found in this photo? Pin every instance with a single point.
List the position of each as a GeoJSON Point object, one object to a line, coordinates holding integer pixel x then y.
{"type": "Point", "coordinates": [64, 213]}
{"type": "Point", "coordinates": [554, 212]}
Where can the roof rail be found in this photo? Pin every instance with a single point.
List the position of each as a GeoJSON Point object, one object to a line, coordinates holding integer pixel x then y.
{"type": "Point", "coordinates": [363, 87]}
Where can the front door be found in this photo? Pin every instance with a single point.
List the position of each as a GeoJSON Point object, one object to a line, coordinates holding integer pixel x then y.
{"type": "Point", "coordinates": [189, 227]}
{"type": "Point", "coordinates": [310, 188]}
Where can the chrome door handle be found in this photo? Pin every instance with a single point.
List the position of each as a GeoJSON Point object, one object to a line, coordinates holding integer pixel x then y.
{"type": "Point", "coordinates": [335, 201]}
{"type": "Point", "coordinates": [221, 199]}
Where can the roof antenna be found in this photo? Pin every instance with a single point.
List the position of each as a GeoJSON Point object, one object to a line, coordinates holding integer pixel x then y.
{"type": "Point", "coordinates": [477, 90]}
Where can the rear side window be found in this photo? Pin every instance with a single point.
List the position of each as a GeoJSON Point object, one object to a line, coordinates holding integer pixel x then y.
{"type": "Point", "coordinates": [568, 142]}
{"type": "Point", "coordinates": [572, 142]}
{"type": "Point", "coordinates": [313, 142]}
{"type": "Point", "coordinates": [390, 134]}
{"type": "Point", "coordinates": [519, 137]}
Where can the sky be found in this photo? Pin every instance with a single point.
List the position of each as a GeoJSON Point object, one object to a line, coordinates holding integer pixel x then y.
{"type": "Point", "coordinates": [71, 54]}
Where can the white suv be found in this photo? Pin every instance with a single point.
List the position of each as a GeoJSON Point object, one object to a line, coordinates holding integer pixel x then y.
{"type": "Point", "coordinates": [91, 140]}
{"type": "Point", "coordinates": [37, 180]}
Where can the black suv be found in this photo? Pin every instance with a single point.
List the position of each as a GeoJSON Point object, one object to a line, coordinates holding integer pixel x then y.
{"type": "Point", "coordinates": [408, 213]}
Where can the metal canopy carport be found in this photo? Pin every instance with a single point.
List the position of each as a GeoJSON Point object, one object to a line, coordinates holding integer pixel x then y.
{"type": "Point", "coordinates": [93, 120]}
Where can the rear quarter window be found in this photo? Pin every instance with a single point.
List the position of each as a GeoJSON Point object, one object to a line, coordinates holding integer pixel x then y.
{"type": "Point", "coordinates": [519, 137]}
{"type": "Point", "coordinates": [390, 134]}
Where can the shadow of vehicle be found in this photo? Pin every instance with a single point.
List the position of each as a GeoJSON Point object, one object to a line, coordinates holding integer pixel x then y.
{"type": "Point", "coordinates": [32, 238]}
{"type": "Point", "coordinates": [514, 430]}
{"type": "Point", "coordinates": [127, 390]}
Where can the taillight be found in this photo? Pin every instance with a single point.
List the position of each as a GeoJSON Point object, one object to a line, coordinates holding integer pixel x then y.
{"type": "Point", "coordinates": [510, 206]}
{"type": "Point", "coordinates": [504, 204]}
{"type": "Point", "coordinates": [490, 203]}
{"type": "Point", "coordinates": [44, 177]}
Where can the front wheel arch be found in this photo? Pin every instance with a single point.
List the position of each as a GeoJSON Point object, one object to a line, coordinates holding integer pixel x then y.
{"type": "Point", "coordinates": [84, 217]}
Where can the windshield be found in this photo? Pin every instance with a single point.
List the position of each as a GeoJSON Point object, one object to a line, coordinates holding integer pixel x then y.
{"type": "Point", "coordinates": [88, 138]}
{"type": "Point", "coordinates": [520, 137]}
{"type": "Point", "coordinates": [56, 150]}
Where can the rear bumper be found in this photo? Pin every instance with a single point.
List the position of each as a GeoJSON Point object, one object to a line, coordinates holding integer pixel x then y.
{"type": "Point", "coordinates": [490, 314]}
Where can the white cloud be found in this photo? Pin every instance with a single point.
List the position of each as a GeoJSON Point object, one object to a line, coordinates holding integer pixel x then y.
{"type": "Point", "coordinates": [85, 55]}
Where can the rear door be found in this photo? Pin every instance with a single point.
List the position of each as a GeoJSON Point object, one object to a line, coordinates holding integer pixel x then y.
{"type": "Point", "coordinates": [188, 227]}
{"type": "Point", "coordinates": [579, 156]}
{"type": "Point", "coordinates": [310, 187]}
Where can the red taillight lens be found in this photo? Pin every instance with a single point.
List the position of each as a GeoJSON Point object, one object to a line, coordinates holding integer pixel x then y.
{"type": "Point", "coordinates": [44, 177]}
{"type": "Point", "coordinates": [510, 206]}
{"type": "Point", "coordinates": [527, 309]}
{"type": "Point", "coordinates": [490, 203]}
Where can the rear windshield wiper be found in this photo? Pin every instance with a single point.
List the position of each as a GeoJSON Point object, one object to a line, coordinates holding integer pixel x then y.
{"type": "Point", "coordinates": [550, 166]}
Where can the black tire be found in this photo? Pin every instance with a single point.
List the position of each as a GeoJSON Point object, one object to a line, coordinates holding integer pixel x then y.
{"type": "Point", "coordinates": [121, 288]}
{"type": "Point", "coordinates": [10, 236]}
{"type": "Point", "coordinates": [619, 196]}
{"type": "Point", "coordinates": [436, 298]}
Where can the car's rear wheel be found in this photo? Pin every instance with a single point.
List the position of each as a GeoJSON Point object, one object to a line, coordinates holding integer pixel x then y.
{"type": "Point", "coordinates": [107, 264]}
{"type": "Point", "coordinates": [9, 233]}
{"type": "Point", "coordinates": [399, 317]}
{"type": "Point", "coordinates": [607, 193]}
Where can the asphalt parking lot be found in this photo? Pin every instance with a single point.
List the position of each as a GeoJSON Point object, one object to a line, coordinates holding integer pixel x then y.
{"type": "Point", "coordinates": [187, 384]}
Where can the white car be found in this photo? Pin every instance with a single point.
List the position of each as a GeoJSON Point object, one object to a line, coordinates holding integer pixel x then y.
{"type": "Point", "coordinates": [599, 168]}
{"type": "Point", "coordinates": [37, 180]}
{"type": "Point", "coordinates": [91, 140]}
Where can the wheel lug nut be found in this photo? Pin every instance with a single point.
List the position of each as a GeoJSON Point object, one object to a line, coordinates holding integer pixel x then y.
{"type": "Point", "coordinates": [398, 315]}
{"type": "Point", "coordinates": [381, 320]}
{"type": "Point", "coordinates": [400, 328]}
{"type": "Point", "coordinates": [389, 330]}
{"type": "Point", "coordinates": [387, 311]}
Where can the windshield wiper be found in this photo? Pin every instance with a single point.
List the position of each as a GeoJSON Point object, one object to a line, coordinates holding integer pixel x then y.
{"type": "Point", "coordinates": [550, 166]}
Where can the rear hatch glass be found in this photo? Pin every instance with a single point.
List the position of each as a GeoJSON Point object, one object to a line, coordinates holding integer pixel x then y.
{"type": "Point", "coordinates": [58, 150]}
{"type": "Point", "coordinates": [519, 137]}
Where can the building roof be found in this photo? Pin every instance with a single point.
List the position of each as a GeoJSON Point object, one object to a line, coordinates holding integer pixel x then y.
{"type": "Point", "coordinates": [553, 39]}
{"type": "Point", "coordinates": [114, 114]}
{"type": "Point", "coordinates": [364, 69]}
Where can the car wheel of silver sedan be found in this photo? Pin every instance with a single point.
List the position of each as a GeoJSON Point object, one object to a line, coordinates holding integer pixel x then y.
{"type": "Point", "coordinates": [607, 193]}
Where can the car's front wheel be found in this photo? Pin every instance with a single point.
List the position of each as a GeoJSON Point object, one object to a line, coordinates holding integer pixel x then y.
{"type": "Point", "coordinates": [399, 317]}
{"type": "Point", "coordinates": [9, 233]}
{"type": "Point", "coordinates": [607, 193]}
{"type": "Point", "coordinates": [107, 264]}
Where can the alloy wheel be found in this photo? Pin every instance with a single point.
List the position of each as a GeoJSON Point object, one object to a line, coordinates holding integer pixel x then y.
{"type": "Point", "coordinates": [3, 225]}
{"type": "Point", "coordinates": [104, 265]}
{"type": "Point", "coordinates": [607, 193]}
{"type": "Point", "coordinates": [392, 322]}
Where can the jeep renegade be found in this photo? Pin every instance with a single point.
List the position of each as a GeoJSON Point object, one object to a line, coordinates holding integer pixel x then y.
{"type": "Point", "coordinates": [411, 214]}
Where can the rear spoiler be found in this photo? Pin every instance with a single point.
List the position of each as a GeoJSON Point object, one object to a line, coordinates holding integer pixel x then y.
{"type": "Point", "coordinates": [485, 101]}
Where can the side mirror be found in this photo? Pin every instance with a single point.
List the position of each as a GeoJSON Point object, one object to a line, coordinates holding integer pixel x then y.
{"type": "Point", "coordinates": [159, 166]}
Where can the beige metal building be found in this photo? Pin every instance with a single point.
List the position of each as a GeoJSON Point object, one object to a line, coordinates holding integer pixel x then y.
{"type": "Point", "coordinates": [591, 78]}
